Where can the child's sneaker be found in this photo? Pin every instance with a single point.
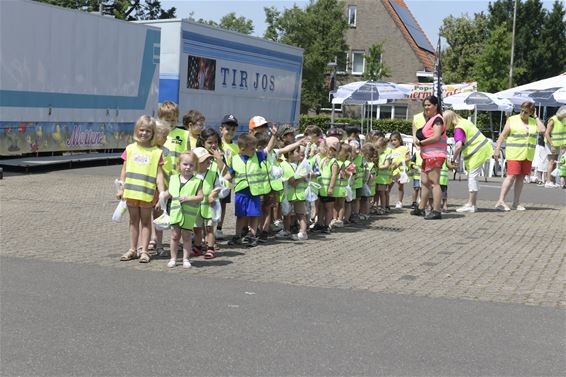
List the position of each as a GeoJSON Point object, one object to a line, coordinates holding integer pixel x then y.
{"type": "Point", "coordinates": [316, 227]}
{"type": "Point", "coordinates": [414, 205]}
{"type": "Point", "coordinates": [325, 230]}
{"type": "Point", "coordinates": [299, 237]}
{"type": "Point", "coordinates": [250, 241]}
{"type": "Point", "coordinates": [263, 236]}
{"type": "Point", "coordinates": [197, 251]}
{"type": "Point", "coordinates": [282, 234]}
{"type": "Point", "coordinates": [338, 224]}
{"type": "Point", "coordinates": [235, 240]}
{"type": "Point", "coordinates": [276, 226]}
{"type": "Point", "coordinates": [172, 263]}
{"type": "Point", "coordinates": [399, 205]}
{"type": "Point", "coordinates": [186, 263]}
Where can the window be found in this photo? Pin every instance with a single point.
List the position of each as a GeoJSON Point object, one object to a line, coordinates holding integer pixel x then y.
{"type": "Point", "coordinates": [400, 112]}
{"type": "Point", "coordinates": [385, 112]}
{"type": "Point", "coordinates": [352, 15]}
{"type": "Point", "coordinates": [341, 63]}
{"type": "Point", "coordinates": [358, 62]}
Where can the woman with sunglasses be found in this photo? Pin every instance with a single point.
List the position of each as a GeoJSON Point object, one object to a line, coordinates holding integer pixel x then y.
{"type": "Point", "coordinates": [520, 137]}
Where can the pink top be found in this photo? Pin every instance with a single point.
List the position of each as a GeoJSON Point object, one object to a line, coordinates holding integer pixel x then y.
{"type": "Point", "coordinates": [459, 135]}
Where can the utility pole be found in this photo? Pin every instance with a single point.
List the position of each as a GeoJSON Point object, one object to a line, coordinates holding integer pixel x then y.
{"type": "Point", "coordinates": [512, 44]}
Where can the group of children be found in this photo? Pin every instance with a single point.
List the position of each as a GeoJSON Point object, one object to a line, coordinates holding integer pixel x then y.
{"type": "Point", "coordinates": [281, 185]}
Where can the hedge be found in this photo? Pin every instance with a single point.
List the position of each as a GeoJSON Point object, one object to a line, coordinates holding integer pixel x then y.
{"type": "Point", "coordinates": [385, 125]}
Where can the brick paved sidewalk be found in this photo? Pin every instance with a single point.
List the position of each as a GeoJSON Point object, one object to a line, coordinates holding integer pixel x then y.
{"type": "Point", "coordinates": [515, 257]}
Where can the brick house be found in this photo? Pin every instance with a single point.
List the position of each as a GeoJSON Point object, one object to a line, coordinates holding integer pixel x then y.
{"type": "Point", "coordinates": [407, 51]}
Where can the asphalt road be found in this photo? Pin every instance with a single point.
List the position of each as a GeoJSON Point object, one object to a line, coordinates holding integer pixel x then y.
{"type": "Point", "coordinates": [63, 319]}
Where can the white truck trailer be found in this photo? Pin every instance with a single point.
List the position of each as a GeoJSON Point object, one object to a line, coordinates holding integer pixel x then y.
{"type": "Point", "coordinates": [218, 72]}
{"type": "Point", "coordinates": [70, 80]}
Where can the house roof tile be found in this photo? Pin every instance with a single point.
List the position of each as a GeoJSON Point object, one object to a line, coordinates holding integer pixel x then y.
{"type": "Point", "coordinates": [424, 56]}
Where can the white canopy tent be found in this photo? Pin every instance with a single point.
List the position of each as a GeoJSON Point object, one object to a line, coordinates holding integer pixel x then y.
{"type": "Point", "coordinates": [367, 93]}
{"type": "Point", "coordinates": [547, 92]}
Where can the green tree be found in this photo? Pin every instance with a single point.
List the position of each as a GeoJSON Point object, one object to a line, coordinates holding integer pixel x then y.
{"type": "Point", "coordinates": [492, 63]}
{"type": "Point", "coordinates": [466, 37]}
{"type": "Point", "coordinates": [229, 22]}
{"type": "Point", "coordinates": [553, 41]}
{"type": "Point", "coordinates": [130, 10]}
{"type": "Point", "coordinates": [319, 29]}
{"type": "Point", "coordinates": [375, 68]}
{"type": "Point", "coordinates": [240, 24]}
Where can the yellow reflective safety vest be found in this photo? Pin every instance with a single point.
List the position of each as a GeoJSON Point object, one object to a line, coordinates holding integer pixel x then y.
{"type": "Point", "coordinates": [383, 176]}
{"type": "Point", "coordinates": [443, 180]}
{"type": "Point", "coordinates": [558, 134]}
{"type": "Point", "coordinates": [250, 174]}
{"type": "Point", "coordinates": [342, 179]}
{"type": "Point", "coordinates": [183, 214]}
{"type": "Point", "coordinates": [417, 167]}
{"type": "Point", "coordinates": [358, 180]}
{"type": "Point", "coordinates": [275, 183]}
{"type": "Point", "coordinates": [399, 154]}
{"type": "Point", "coordinates": [141, 172]}
{"type": "Point", "coordinates": [419, 120]}
{"type": "Point", "coordinates": [175, 144]}
{"type": "Point", "coordinates": [205, 210]}
{"type": "Point", "coordinates": [325, 175]}
{"type": "Point", "coordinates": [296, 193]}
{"type": "Point", "coordinates": [522, 140]}
{"type": "Point", "coordinates": [477, 149]}
{"type": "Point", "coordinates": [372, 175]}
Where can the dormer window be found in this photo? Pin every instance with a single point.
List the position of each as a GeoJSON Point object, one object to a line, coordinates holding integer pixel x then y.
{"type": "Point", "coordinates": [352, 15]}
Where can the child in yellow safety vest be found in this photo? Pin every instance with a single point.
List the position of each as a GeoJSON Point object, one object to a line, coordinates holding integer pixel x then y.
{"type": "Point", "coordinates": [400, 158]}
{"type": "Point", "coordinates": [228, 131]}
{"type": "Point", "coordinates": [250, 182]}
{"type": "Point", "coordinates": [211, 163]}
{"type": "Point", "coordinates": [415, 174]}
{"type": "Point", "coordinates": [369, 151]}
{"type": "Point", "coordinates": [327, 180]}
{"type": "Point", "coordinates": [186, 193]}
{"type": "Point", "coordinates": [295, 193]}
{"type": "Point", "coordinates": [346, 170]}
{"type": "Point", "coordinates": [155, 246]}
{"type": "Point", "coordinates": [194, 123]}
{"type": "Point", "coordinates": [141, 177]}
{"type": "Point", "coordinates": [383, 176]}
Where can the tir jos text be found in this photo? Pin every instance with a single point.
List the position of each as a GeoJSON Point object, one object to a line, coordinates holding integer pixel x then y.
{"type": "Point", "coordinates": [240, 78]}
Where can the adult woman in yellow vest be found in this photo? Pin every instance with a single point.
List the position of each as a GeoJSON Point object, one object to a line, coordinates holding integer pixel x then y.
{"type": "Point", "coordinates": [520, 136]}
{"type": "Point", "coordinates": [555, 135]}
{"type": "Point", "coordinates": [475, 148]}
{"type": "Point", "coordinates": [431, 138]}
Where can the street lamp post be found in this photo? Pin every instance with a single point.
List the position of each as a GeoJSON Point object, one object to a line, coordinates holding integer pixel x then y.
{"type": "Point", "coordinates": [332, 66]}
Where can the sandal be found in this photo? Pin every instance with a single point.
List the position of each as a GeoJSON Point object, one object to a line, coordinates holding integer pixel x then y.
{"type": "Point", "coordinates": [197, 251]}
{"type": "Point", "coordinates": [152, 245]}
{"type": "Point", "coordinates": [129, 255]}
{"type": "Point", "coordinates": [144, 257]}
{"type": "Point", "coordinates": [210, 254]}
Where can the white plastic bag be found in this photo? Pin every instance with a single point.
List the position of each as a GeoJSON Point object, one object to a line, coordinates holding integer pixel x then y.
{"type": "Point", "coordinates": [556, 173]}
{"type": "Point", "coordinates": [303, 170]}
{"type": "Point", "coordinates": [285, 205]}
{"type": "Point", "coordinates": [119, 211]}
{"type": "Point", "coordinates": [163, 200]}
{"type": "Point", "coordinates": [163, 222]}
{"type": "Point", "coordinates": [311, 192]}
{"type": "Point", "coordinates": [366, 191]}
{"type": "Point", "coordinates": [276, 172]}
{"type": "Point", "coordinates": [216, 211]}
{"type": "Point", "coordinates": [403, 177]}
{"type": "Point", "coordinates": [349, 193]}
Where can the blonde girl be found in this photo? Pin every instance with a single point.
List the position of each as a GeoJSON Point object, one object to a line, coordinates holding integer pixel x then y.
{"type": "Point", "coordinates": [155, 246]}
{"type": "Point", "coordinates": [142, 176]}
{"type": "Point", "coordinates": [400, 159]}
{"type": "Point", "coordinates": [185, 191]}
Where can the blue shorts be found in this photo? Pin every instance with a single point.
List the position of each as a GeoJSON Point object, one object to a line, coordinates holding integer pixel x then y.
{"type": "Point", "coordinates": [247, 205]}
